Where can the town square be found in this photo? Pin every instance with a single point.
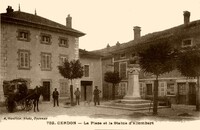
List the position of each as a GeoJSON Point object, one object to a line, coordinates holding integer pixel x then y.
{"type": "Point", "coordinates": [62, 62]}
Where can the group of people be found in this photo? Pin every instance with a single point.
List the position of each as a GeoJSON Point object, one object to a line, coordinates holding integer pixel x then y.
{"type": "Point", "coordinates": [77, 94]}
{"type": "Point", "coordinates": [34, 95]}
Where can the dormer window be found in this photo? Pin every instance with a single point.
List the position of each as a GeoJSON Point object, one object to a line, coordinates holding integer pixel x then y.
{"type": "Point", "coordinates": [187, 43]}
{"type": "Point", "coordinates": [63, 42]}
{"type": "Point", "coordinates": [45, 39]}
{"type": "Point", "coordinates": [123, 55]}
{"type": "Point", "coordinates": [23, 35]}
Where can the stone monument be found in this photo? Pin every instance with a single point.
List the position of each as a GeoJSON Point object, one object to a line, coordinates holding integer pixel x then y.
{"type": "Point", "coordinates": [132, 99]}
{"type": "Point", "coordinates": [133, 91]}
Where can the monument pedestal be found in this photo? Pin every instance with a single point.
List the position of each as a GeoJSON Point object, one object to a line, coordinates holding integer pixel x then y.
{"type": "Point", "coordinates": [133, 91]}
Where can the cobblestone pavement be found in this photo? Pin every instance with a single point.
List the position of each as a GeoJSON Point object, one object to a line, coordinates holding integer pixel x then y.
{"type": "Point", "coordinates": [187, 113]}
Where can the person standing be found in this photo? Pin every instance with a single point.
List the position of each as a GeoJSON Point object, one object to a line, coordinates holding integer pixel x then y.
{"type": "Point", "coordinates": [36, 98]}
{"type": "Point", "coordinates": [55, 97]}
{"type": "Point", "coordinates": [77, 94]}
{"type": "Point", "coordinates": [96, 95]}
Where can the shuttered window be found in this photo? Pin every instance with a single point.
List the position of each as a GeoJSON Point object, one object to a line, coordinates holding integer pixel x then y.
{"type": "Point", "coordinates": [86, 70]}
{"type": "Point", "coordinates": [24, 59]}
{"type": "Point", "coordinates": [170, 89]}
{"type": "Point", "coordinates": [45, 61]}
{"type": "Point", "coordinates": [64, 89]}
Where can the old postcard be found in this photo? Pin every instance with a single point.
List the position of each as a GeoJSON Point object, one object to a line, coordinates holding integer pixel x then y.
{"type": "Point", "coordinates": [99, 64]}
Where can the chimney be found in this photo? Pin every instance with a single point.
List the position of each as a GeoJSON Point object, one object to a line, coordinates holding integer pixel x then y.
{"type": "Point", "coordinates": [117, 44]}
{"type": "Point", "coordinates": [35, 12]}
{"type": "Point", "coordinates": [136, 30]}
{"type": "Point", "coordinates": [69, 21]}
{"type": "Point", "coordinates": [9, 9]}
{"type": "Point", "coordinates": [108, 45]}
{"type": "Point", "coordinates": [186, 15]}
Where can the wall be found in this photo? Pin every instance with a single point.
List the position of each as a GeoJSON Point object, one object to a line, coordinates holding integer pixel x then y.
{"type": "Point", "coordinates": [2, 64]}
{"type": "Point", "coordinates": [95, 71]}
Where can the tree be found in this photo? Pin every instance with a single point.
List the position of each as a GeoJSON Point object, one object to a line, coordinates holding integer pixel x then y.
{"type": "Point", "coordinates": [71, 70]}
{"type": "Point", "coordinates": [112, 77]}
{"type": "Point", "coordinates": [157, 59]}
{"type": "Point", "coordinates": [188, 64]}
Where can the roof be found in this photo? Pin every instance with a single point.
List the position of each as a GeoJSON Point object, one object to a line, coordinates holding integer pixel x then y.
{"type": "Point", "coordinates": [192, 27]}
{"type": "Point", "coordinates": [87, 54]}
{"type": "Point", "coordinates": [109, 50]}
{"type": "Point", "coordinates": [23, 18]}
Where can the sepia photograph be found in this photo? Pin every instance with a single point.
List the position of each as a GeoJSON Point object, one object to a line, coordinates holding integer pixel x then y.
{"type": "Point", "coordinates": [100, 64]}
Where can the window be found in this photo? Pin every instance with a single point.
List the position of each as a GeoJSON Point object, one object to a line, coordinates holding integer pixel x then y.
{"type": "Point", "coordinates": [63, 42]}
{"type": "Point", "coordinates": [23, 35]}
{"type": "Point", "coordinates": [170, 89]}
{"type": "Point", "coordinates": [45, 38]}
{"type": "Point", "coordinates": [192, 88]}
{"type": "Point", "coordinates": [162, 88]}
{"type": "Point", "coordinates": [142, 89]}
{"type": "Point", "coordinates": [116, 66]}
{"type": "Point", "coordinates": [64, 89]}
{"type": "Point", "coordinates": [63, 58]}
{"type": "Point", "coordinates": [45, 61]}
{"type": "Point", "coordinates": [149, 89]}
{"type": "Point", "coordinates": [182, 88]}
{"type": "Point", "coordinates": [123, 55]}
{"type": "Point", "coordinates": [24, 59]}
{"type": "Point", "coordinates": [187, 43]}
{"type": "Point", "coordinates": [122, 71]}
{"type": "Point", "coordinates": [86, 70]}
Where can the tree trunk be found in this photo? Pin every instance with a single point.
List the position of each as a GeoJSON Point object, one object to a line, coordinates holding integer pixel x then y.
{"type": "Point", "coordinates": [113, 92]}
{"type": "Point", "coordinates": [155, 97]}
{"type": "Point", "coordinates": [71, 94]}
{"type": "Point", "coordinates": [197, 94]}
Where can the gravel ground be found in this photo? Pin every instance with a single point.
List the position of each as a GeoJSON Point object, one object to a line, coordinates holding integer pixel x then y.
{"type": "Point", "coordinates": [176, 113]}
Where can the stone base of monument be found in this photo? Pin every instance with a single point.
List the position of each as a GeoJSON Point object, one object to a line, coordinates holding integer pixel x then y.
{"type": "Point", "coordinates": [128, 103]}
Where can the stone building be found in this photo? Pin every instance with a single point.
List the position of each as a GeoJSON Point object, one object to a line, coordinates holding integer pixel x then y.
{"type": "Point", "coordinates": [179, 88]}
{"type": "Point", "coordinates": [32, 47]}
{"type": "Point", "coordinates": [92, 77]}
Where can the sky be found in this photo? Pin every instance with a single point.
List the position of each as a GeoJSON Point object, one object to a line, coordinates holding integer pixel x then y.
{"type": "Point", "coordinates": [109, 21]}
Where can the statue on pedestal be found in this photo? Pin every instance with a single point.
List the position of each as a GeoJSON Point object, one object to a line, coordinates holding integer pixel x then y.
{"type": "Point", "coordinates": [133, 81]}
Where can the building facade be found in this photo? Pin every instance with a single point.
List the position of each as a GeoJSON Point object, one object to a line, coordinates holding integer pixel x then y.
{"type": "Point", "coordinates": [92, 66]}
{"type": "Point", "coordinates": [32, 47]}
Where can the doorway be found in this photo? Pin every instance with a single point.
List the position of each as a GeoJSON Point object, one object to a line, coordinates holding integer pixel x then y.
{"type": "Point", "coordinates": [46, 92]}
{"type": "Point", "coordinates": [192, 94]}
{"type": "Point", "coordinates": [86, 90]}
{"type": "Point", "coordinates": [181, 93]}
{"type": "Point", "coordinates": [149, 88]}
